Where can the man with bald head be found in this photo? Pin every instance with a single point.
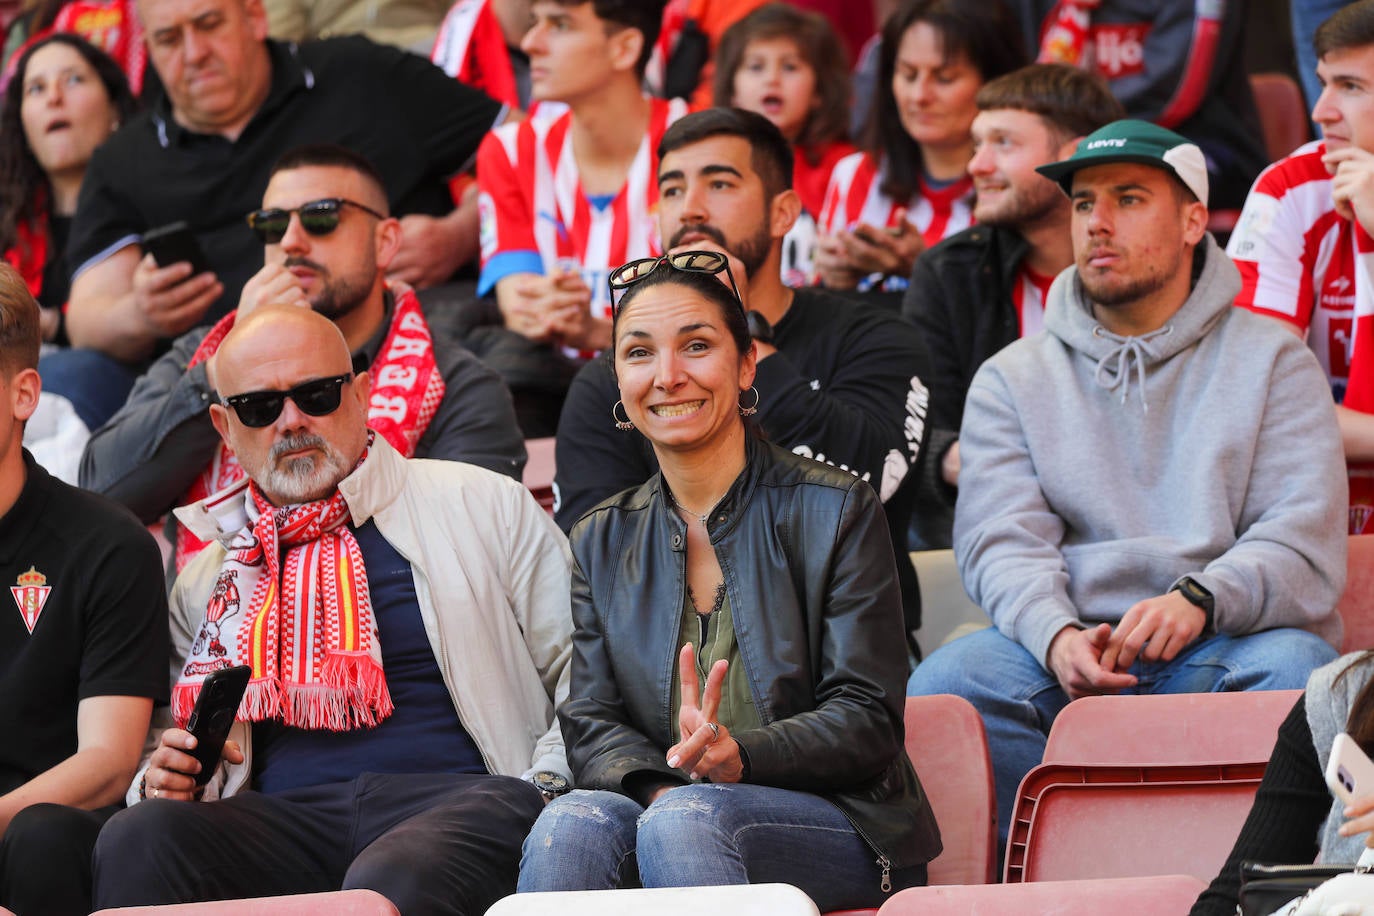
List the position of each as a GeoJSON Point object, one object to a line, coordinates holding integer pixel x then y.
{"type": "Point", "coordinates": [407, 625]}
{"type": "Point", "coordinates": [328, 241]}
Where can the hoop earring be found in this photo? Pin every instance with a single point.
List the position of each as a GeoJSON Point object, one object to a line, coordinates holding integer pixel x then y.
{"type": "Point", "coordinates": [620, 424]}
{"type": "Point", "coordinates": [752, 408]}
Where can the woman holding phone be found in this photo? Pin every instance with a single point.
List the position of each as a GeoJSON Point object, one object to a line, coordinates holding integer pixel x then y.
{"type": "Point", "coordinates": [1294, 819]}
{"type": "Point", "coordinates": [910, 187]}
{"type": "Point", "coordinates": [738, 663]}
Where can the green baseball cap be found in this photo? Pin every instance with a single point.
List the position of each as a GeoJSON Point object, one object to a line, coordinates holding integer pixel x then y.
{"type": "Point", "coordinates": [1135, 141]}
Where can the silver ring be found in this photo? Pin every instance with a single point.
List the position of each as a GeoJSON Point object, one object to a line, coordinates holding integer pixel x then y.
{"type": "Point", "coordinates": [154, 791]}
{"type": "Point", "coordinates": [715, 731]}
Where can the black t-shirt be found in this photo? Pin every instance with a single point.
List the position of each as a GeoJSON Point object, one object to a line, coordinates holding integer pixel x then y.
{"type": "Point", "coordinates": [413, 122]}
{"type": "Point", "coordinates": [55, 274]}
{"type": "Point", "coordinates": [85, 615]}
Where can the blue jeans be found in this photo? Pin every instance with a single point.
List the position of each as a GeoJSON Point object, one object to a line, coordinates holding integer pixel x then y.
{"type": "Point", "coordinates": [709, 834]}
{"type": "Point", "coordinates": [1019, 699]}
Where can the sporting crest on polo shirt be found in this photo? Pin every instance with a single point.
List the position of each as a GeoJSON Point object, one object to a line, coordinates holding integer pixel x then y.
{"type": "Point", "coordinates": [31, 591]}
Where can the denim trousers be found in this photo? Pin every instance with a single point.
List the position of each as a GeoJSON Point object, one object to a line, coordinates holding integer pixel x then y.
{"type": "Point", "coordinates": [1019, 699]}
{"type": "Point", "coordinates": [708, 834]}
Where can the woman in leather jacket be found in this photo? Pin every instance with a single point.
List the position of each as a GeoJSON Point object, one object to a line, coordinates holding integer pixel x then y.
{"type": "Point", "coordinates": [769, 579]}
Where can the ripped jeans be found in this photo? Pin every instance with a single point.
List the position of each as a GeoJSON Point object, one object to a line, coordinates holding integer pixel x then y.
{"type": "Point", "coordinates": [708, 834]}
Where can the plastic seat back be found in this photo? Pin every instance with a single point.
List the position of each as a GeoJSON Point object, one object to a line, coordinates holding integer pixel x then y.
{"type": "Point", "coordinates": [1163, 895]}
{"type": "Point", "coordinates": [1075, 822]}
{"type": "Point", "coordinates": [337, 903]}
{"type": "Point", "coordinates": [539, 470]}
{"type": "Point", "coordinates": [948, 747]}
{"type": "Point", "coordinates": [1356, 606]}
{"type": "Point", "coordinates": [1283, 116]}
{"type": "Point", "coordinates": [1175, 728]}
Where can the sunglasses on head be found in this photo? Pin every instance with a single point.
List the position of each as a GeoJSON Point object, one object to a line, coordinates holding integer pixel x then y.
{"type": "Point", "coordinates": [317, 397]}
{"type": "Point", "coordinates": [696, 262]}
{"type": "Point", "coordinates": [318, 217]}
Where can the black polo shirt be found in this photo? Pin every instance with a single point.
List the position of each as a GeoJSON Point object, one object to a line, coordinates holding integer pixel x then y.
{"type": "Point", "coordinates": [83, 614]}
{"type": "Point", "coordinates": [413, 122]}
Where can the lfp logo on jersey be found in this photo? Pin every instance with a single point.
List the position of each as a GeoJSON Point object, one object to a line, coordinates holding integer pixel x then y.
{"type": "Point", "coordinates": [31, 592]}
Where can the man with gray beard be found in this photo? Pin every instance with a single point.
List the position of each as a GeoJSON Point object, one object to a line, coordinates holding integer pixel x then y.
{"type": "Point", "coordinates": [328, 240]}
{"type": "Point", "coordinates": [407, 626]}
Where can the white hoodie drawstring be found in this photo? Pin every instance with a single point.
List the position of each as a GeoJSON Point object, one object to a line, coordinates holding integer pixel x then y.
{"type": "Point", "coordinates": [1127, 348]}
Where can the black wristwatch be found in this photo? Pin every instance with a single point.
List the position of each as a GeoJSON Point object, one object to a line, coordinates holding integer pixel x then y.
{"type": "Point", "coordinates": [550, 784]}
{"type": "Point", "coordinates": [759, 328]}
{"type": "Point", "coordinates": [1198, 596]}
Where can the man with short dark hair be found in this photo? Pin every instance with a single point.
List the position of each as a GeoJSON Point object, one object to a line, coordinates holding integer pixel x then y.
{"type": "Point", "coordinates": [235, 101]}
{"type": "Point", "coordinates": [1151, 499]}
{"type": "Point", "coordinates": [407, 625]}
{"type": "Point", "coordinates": [1304, 236]}
{"type": "Point", "coordinates": [977, 291]}
{"type": "Point", "coordinates": [566, 199]}
{"type": "Point", "coordinates": [328, 241]}
{"type": "Point", "coordinates": [836, 381]}
{"type": "Point", "coordinates": [83, 645]}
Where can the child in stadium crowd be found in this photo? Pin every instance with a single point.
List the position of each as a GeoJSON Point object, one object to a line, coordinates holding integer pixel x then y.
{"type": "Point", "coordinates": [789, 66]}
{"type": "Point", "coordinates": [910, 188]}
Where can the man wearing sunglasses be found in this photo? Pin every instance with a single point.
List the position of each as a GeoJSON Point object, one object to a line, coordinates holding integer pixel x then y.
{"type": "Point", "coordinates": [837, 382]}
{"type": "Point", "coordinates": [407, 625]}
{"type": "Point", "coordinates": [328, 242]}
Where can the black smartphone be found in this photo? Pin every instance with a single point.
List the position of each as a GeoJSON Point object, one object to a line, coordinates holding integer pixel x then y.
{"type": "Point", "coordinates": [174, 243]}
{"type": "Point", "coordinates": [213, 715]}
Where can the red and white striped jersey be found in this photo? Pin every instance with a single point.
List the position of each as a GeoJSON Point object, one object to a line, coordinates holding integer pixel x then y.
{"type": "Point", "coordinates": [855, 196]}
{"type": "Point", "coordinates": [534, 212]}
{"type": "Point", "coordinates": [1304, 263]}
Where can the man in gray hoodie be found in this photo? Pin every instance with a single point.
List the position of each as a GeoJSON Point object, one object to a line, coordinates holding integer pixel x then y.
{"type": "Point", "coordinates": [1152, 497]}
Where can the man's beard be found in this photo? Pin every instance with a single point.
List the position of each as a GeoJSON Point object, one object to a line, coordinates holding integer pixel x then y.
{"type": "Point", "coordinates": [336, 297]}
{"type": "Point", "coordinates": [751, 252]}
{"type": "Point", "coordinates": [1127, 291]}
{"type": "Point", "coordinates": [1020, 207]}
{"type": "Point", "coordinates": [303, 479]}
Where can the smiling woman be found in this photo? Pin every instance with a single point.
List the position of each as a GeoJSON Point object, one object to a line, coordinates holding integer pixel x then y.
{"type": "Point", "coordinates": [748, 596]}
{"type": "Point", "coordinates": [65, 99]}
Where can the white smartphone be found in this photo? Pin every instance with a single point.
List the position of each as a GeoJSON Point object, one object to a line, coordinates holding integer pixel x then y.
{"type": "Point", "coordinates": [1349, 772]}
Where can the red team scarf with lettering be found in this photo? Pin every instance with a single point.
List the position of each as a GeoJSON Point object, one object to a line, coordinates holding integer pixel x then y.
{"type": "Point", "coordinates": [407, 389]}
{"type": "Point", "coordinates": [308, 631]}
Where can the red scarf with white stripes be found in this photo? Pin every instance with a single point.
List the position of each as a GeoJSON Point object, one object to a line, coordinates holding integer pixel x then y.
{"type": "Point", "coordinates": [407, 388]}
{"type": "Point", "coordinates": [308, 630]}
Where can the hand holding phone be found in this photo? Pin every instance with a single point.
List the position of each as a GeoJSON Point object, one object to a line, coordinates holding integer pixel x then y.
{"type": "Point", "coordinates": [1349, 772]}
{"type": "Point", "coordinates": [174, 243]}
{"type": "Point", "coordinates": [213, 716]}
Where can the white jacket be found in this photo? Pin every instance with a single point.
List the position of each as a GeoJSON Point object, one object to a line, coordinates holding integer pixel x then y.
{"type": "Point", "coordinates": [492, 579]}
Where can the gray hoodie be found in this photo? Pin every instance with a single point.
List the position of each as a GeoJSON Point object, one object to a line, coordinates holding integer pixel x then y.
{"type": "Point", "coordinates": [1098, 470]}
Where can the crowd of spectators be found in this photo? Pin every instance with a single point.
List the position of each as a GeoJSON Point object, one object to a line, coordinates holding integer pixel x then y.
{"type": "Point", "coordinates": [797, 286]}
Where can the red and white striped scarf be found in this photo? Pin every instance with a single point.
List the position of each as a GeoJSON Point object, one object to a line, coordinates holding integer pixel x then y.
{"type": "Point", "coordinates": [407, 388]}
{"type": "Point", "coordinates": [308, 630]}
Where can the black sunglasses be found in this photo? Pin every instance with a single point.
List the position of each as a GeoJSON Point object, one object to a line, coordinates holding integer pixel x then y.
{"type": "Point", "coordinates": [318, 217]}
{"type": "Point", "coordinates": [318, 397]}
{"type": "Point", "coordinates": [697, 262]}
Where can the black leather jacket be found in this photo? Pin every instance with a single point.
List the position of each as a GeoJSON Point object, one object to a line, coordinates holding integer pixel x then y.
{"type": "Point", "coordinates": [813, 593]}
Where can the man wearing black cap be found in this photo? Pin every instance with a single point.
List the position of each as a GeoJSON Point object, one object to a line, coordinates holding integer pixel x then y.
{"type": "Point", "coordinates": [1148, 502]}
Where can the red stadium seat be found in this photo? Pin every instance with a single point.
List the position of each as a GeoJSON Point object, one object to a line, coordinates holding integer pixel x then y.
{"type": "Point", "coordinates": [337, 903]}
{"type": "Point", "coordinates": [539, 470]}
{"type": "Point", "coordinates": [949, 748]}
{"type": "Point", "coordinates": [1163, 895]}
{"type": "Point", "coordinates": [1175, 728]}
{"type": "Point", "coordinates": [1356, 606]}
{"type": "Point", "coordinates": [1283, 116]}
{"type": "Point", "coordinates": [1074, 822]}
